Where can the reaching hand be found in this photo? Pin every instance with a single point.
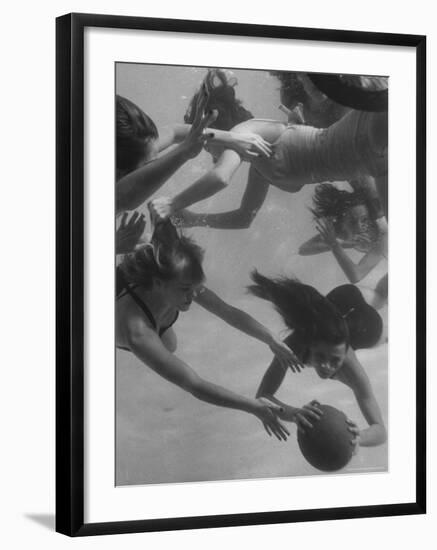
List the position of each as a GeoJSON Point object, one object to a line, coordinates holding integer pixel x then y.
{"type": "Point", "coordinates": [307, 415]}
{"type": "Point", "coordinates": [286, 356]}
{"type": "Point", "coordinates": [249, 145]}
{"type": "Point", "coordinates": [326, 229]}
{"type": "Point", "coordinates": [196, 137]}
{"type": "Point", "coordinates": [353, 429]}
{"type": "Point", "coordinates": [129, 232]}
{"type": "Point", "coordinates": [268, 412]}
{"type": "Point", "coordinates": [160, 209]}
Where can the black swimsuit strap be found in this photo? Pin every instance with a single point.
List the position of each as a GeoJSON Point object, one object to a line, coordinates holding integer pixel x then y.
{"type": "Point", "coordinates": [141, 305]}
{"type": "Point", "coordinates": [124, 286]}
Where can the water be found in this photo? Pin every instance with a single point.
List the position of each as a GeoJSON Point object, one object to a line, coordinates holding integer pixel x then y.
{"type": "Point", "coordinates": [165, 435]}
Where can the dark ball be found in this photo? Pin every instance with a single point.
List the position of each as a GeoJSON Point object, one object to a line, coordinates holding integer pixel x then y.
{"type": "Point", "coordinates": [327, 446]}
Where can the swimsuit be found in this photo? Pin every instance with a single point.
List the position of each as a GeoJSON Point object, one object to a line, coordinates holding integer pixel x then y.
{"type": "Point", "coordinates": [123, 288]}
{"type": "Point", "coordinates": [345, 150]}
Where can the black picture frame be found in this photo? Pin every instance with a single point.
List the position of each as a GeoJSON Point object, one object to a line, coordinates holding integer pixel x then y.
{"type": "Point", "coordinates": [70, 488]}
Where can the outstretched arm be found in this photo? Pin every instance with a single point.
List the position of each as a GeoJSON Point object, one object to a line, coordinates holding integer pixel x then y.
{"type": "Point", "coordinates": [137, 186]}
{"type": "Point", "coordinates": [271, 382]}
{"type": "Point", "coordinates": [147, 346]}
{"type": "Point", "coordinates": [246, 323]}
{"type": "Point", "coordinates": [354, 375]}
{"type": "Point", "coordinates": [241, 218]}
{"type": "Point", "coordinates": [317, 245]}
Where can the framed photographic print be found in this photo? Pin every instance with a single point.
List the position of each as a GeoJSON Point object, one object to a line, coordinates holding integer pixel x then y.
{"type": "Point", "coordinates": [230, 348]}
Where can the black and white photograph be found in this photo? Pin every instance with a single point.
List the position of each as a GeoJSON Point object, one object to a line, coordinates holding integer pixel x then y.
{"type": "Point", "coordinates": [251, 240]}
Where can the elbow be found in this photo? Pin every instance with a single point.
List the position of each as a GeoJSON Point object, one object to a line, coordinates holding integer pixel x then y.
{"type": "Point", "coordinates": [246, 218]}
{"type": "Point", "coordinates": [354, 278]}
{"type": "Point", "coordinates": [383, 436]}
{"type": "Point", "coordinates": [193, 384]}
{"type": "Point", "coordinates": [221, 181]}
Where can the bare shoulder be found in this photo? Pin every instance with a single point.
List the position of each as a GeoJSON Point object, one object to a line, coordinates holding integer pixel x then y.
{"type": "Point", "coordinates": [130, 321]}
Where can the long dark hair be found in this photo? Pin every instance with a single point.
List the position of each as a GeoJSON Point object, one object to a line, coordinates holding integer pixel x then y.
{"type": "Point", "coordinates": [321, 114]}
{"type": "Point", "coordinates": [341, 316]}
{"type": "Point", "coordinates": [303, 308]}
{"type": "Point", "coordinates": [134, 129]}
{"type": "Point", "coordinates": [221, 97]}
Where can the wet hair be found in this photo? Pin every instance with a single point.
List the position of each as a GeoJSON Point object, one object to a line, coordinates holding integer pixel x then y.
{"type": "Point", "coordinates": [292, 90]}
{"type": "Point", "coordinates": [221, 90]}
{"type": "Point", "coordinates": [364, 322]}
{"type": "Point", "coordinates": [134, 130]}
{"type": "Point", "coordinates": [320, 115]}
{"type": "Point", "coordinates": [303, 309]}
{"type": "Point", "coordinates": [167, 257]}
{"type": "Point", "coordinates": [341, 317]}
{"type": "Point", "coordinates": [334, 203]}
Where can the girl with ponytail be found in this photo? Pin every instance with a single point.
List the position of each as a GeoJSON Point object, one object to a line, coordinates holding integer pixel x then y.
{"type": "Point", "coordinates": [326, 331]}
{"type": "Point", "coordinates": [157, 282]}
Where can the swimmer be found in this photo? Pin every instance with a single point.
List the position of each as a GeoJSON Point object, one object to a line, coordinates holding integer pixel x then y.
{"type": "Point", "coordinates": [326, 333]}
{"type": "Point", "coordinates": [316, 108]}
{"type": "Point", "coordinates": [157, 282]}
{"type": "Point", "coordinates": [351, 220]}
{"type": "Point", "coordinates": [139, 169]}
{"type": "Point", "coordinates": [354, 146]}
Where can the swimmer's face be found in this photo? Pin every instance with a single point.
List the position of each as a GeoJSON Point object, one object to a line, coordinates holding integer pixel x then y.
{"type": "Point", "coordinates": [327, 359]}
{"type": "Point", "coordinates": [179, 293]}
{"type": "Point", "coordinates": [356, 221]}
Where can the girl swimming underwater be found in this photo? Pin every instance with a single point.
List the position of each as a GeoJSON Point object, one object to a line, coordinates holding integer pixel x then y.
{"type": "Point", "coordinates": [326, 333]}
{"type": "Point", "coordinates": [353, 146]}
{"type": "Point", "coordinates": [157, 282]}
{"type": "Point", "coordinates": [140, 172]}
{"type": "Point", "coordinates": [351, 220]}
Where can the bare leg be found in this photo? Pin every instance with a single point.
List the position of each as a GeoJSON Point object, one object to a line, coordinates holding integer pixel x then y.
{"type": "Point", "coordinates": [241, 218]}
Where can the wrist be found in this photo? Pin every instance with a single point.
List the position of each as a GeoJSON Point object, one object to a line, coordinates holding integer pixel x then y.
{"type": "Point", "coordinates": [185, 150]}
{"type": "Point", "coordinates": [335, 245]}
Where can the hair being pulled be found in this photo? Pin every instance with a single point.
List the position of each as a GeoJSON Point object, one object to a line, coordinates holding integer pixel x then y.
{"type": "Point", "coordinates": [167, 257]}
{"type": "Point", "coordinates": [302, 308]}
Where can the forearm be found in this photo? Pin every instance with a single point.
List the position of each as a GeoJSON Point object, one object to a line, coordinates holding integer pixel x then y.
{"type": "Point", "coordinates": [271, 380]}
{"type": "Point", "coordinates": [374, 435]}
{"type": "Point", "coordinates": [234, 219]}
{"type": "Point", "coordinates": [136, 187]}
{"type": "Point", "coordinates": [246, 323]}
{"type": "Point", "coordinates": [313, 247]}
{"type": "Point", "coordinates": [222, 397]}
{"type": "Point", "coordinates": [206, 186]}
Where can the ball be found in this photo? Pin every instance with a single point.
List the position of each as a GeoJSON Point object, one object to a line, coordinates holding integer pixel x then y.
{"type": "Point", "coordinates": [327, 445]}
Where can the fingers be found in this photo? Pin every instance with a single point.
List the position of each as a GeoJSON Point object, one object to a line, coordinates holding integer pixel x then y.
{"type": "Point", "coordinates": [312, 412]}
{"type": "Point", "coordinates": [263, 147]}
{"type": "Point", "coordinates": [160, 209]}
{"type": "Point", "coordinates": [278, 430]}
{"type": "Point", "coordinates": [302, 422]}
{"type": "Point", "coordinates": [202, 100]}
{"type": "Point", "coordinates": [133, 218]}
{"type": "Point", "coordinates": [123, 220]}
